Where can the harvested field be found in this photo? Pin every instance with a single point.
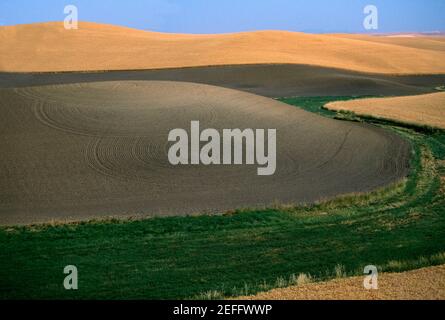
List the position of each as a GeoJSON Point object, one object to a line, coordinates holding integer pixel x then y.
{"type": "Point", "coordinates": [277, 80]}
{"type": "Point", "coordinates": [81, 151]}
{"type": "Point", "coordinates": [422, 284]}
{"type": "Point", "coordinates": [419, 41]}
{"type": "Point", "coordinates": [423, 110]}
{"type": "Point", "coordinates": [44, 47]}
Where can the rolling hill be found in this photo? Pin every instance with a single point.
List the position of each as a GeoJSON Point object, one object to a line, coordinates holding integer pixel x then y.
{"type": "Point", "coordinates": [48, 47]}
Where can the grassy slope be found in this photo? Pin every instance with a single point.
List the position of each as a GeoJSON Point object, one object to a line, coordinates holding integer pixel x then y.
{"type": "Point", "coordinates": [240, 252]}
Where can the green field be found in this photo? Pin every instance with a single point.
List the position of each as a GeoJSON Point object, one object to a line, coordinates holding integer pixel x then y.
{"type": "Point", "coordinates": [397, 228]}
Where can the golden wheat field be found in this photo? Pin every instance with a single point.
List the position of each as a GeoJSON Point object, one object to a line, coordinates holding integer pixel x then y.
{"type": "Point", "coordinates": [425, 284]}
{"type": "Point", "coordinates": [427, 109]}
{"type": "Point", "coordinates": [49, 47]}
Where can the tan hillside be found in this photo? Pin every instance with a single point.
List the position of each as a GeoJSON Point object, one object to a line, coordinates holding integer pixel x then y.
{"type": "Point", "coordinates": [424, 284]}
{"type": "Point", "coordinates": [426, 109]}
{"type": "Point", "coordinates": [49, 47]}
{"type": "Point", "coordinates": [436, 43]}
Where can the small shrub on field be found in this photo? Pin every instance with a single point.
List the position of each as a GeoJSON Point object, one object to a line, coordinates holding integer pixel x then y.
{"type": "Point", "coordinates": [246, 289]}
{"type": "Point", "coordinates": [263, 286]}
{"type": "Point", "coordinates": [438, 258]}
{"type": "Point", "coordinates": [210, 295]}
{"type": "Point", "coordinates": [281, 282]}
{"type": "Point", "coordinates": [395, 265]}
{"type": "Point", "coordinates": [303, 279]}
{"type": "Point", "coordinates": [340, 271]}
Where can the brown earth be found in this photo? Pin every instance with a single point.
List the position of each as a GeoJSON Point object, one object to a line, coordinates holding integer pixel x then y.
{"type": "Point", "coordinates": [427, 109]}
{"type": "Point", "coordinates": [277, 80]}
{"type": "Point", "coordinates": [81, 151]}
{"type": "Point", "coordinates": [422, 284]}
{"type": "Point", "coordinates": [49, 47]}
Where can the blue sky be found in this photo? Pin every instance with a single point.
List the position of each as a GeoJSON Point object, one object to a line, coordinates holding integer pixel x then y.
{"type": "Point", "coordinates": [219, 16]}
